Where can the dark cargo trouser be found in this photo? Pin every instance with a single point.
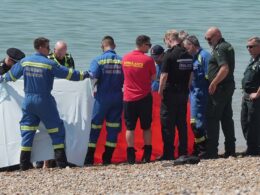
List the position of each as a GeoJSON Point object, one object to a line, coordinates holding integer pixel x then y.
{"type": "Point", "coordinates": [219, 109]}
{"type": "Point", "coordinates": [173, 113]}
{"type": "Point", "coordinates": [250, 122]}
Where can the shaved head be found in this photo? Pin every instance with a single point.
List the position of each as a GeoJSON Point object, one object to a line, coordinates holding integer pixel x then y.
{"type": "Point", "coordinates": [60, 49]}
{"type": "Point", "coordinates": [61, 44]}
{"type": "Point", "coordinates": [213, 35]}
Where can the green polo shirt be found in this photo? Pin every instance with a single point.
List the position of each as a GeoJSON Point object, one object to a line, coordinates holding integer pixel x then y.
{"type": "Point", "coordinates": [222, 54]}
{"type": "Point", "coordinates": [251, 79]}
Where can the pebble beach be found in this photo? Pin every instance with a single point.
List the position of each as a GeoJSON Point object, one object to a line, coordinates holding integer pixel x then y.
{"type": "Point", "coordinates": [221, 176]}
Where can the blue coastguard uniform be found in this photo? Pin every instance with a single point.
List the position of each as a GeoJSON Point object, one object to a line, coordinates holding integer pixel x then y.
{"type": "Point", "coordinates": [108, 105]}
{"type": "Point", "coordinates": [39, 105]}
{"type": "Point", "coordinates": [199, 95]}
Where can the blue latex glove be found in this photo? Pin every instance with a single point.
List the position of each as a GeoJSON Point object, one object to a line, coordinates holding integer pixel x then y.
{"type": "Point", "coordinates": [87, 74]}
{"type": "Point", "coordinates": [1, 79]}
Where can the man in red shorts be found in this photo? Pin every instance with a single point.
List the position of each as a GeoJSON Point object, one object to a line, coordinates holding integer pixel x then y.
{"type": "Point", "coordinates": [139, 71]}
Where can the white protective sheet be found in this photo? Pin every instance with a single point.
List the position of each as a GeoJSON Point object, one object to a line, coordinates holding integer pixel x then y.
{"type": "Point", "coordinates": [74, 102]}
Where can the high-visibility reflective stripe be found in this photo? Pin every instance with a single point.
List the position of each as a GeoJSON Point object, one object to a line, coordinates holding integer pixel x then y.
{"type": "Point", "coordinates": [37, 65]}
{"type": "Point", "coordinates": [199, 59]}
{"type": "Point", "coordinates": [110, 144]}
{"type": "Point", "coordinates": [109, 61]}
{"type": "Point", "coordinates": [54, 130]}
{"type": "Point", "coordinates": [92, 145]}
{"type": "Point", "coordinates": [206, 77]}
{"type": "Point", "coordinates": [112, 124]}
{"type": "Point", "coordinates": [81, 75]}
{"type": "Point", "coordinates": [26, 149]}
{"type": "Point", "coordinates": [12, 76]}
{"type": "Point", "coordinates": [93, 126]}
{"type": "Point", "coordinates": [66, 61]}
{"type": "Point", "coordinates": [201, 139]}
{"type": "Point", "coordinates": [192, 120]}
{"type": "Point", "coordinates": [52, 57]}
{"type": "Point", "coordinates": [69, 74]}
{"type": "Point", "coordinates": [58, 146]}
{"type": "Point", "coordinates": [28, 128]}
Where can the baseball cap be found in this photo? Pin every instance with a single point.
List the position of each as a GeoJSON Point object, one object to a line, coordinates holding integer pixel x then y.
{"type": "Point", "coordinates": [156, 51]}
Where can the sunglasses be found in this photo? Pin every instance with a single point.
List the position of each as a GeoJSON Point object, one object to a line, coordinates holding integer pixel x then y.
{"type": "Point", "coordinates": [250, 46]}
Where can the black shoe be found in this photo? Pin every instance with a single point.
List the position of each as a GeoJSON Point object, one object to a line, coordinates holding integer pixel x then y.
{"type": "Point", "coordinates": [107, 155]}
{"type": "Point", "coordinates": [131, 155]}
{"type": "Point", "coordinates": [60, 157]}
{"type": "Point", "coordinates": [39, 164]}
{"type": "Point", "coordinates": [208, 156]}
{"type": "Point", "coordinates": [89, 160]}
{"type": "Point", "coordinates": [228, 154]}
{"type": "Point", "coordinates": [249, 153]}
{"type": "Point", "coordinates": [186, 159]}
{"type": "Point", "coordinates": [26, 166]}
{"type": "Point", "coordinates": [25, 159]}
{"type": "Point", "coordinates": [147, 153]}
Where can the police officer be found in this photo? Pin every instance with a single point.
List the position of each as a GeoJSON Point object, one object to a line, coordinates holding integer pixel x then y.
{"type": "Point", "coordinates": [60, 55]}
{"type": "Point", "coordinates": [13, 56]}
{"type": "Point", "coordinates": [221, 89]}
{"type": "Point", "coordinates": [39, 105]}
{"type": "Point", "coordinates": [108, 105]}
{"type": "Point", "coordinates": [174, 89]}
{"type": "Point", "coordinates": [198, 92]}
{"type": "Point", "coordinates": [250, 113]}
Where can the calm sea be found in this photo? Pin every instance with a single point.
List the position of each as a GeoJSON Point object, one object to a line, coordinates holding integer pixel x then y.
{"type": "Point", "coordinates": [82, 24]}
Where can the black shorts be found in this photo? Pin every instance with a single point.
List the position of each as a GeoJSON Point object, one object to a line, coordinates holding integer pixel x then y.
{"type": "Point", "coordinates": [141, 109]}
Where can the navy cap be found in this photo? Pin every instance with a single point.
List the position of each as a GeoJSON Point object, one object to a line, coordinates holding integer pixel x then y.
{"type": "Point", "coordinates": [15, 54]}
{"type": "Point", "coordinates": [157, 50]}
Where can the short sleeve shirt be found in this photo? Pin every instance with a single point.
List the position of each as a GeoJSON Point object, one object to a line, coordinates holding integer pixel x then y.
{"type": "Point", "coordinates": [251, 79]}
{"type": "Point", "coordinates": [222, 54]}
{"type": "Point", "coordinates": [178, 64]}
{"type": "Point", "coordinates": [138, 69]}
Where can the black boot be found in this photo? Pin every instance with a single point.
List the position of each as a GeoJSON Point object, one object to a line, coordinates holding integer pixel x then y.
{"type": "Point", "coordinates": [202, 148]}
{"type": "Point", "coordinates": [196, 150]}
{"type": "Point", "coordinates": [107, 155]}
{"type": "Point", "coordinates": [25, 162]}
{"type": "Point", "coordinates": [131, 155]}
{"type": "Point", "coordinates": [39, 164]}
{"type": "Point", "coordinates": [89, 160]}
{"type": "Point", "coordinates": [60, 157]}
{"type": "Point", "coordinates": [147, 153]}
{"type": "Point", "coordinates": [168, 152]}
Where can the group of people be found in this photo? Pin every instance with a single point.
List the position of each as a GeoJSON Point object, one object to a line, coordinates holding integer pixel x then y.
{"type": "Point", "coordinates": [182, 70]}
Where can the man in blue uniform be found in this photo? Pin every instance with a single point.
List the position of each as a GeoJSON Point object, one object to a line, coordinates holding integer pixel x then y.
{"type": "Point", "coordinates": [39, 105]}
{"type": "Point", "coordinates": [108, 104]}
{"type": "Point", "coordinates": [157, 53]}
{"type": "Point", "coordinates": [198, 92]}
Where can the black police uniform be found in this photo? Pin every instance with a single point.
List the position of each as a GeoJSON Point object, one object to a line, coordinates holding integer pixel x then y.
{"type": "Point", "coordinates": [178, 64]}
{"type": "Point", "coordinates": [15, 55]}
{"type": "Point", "coordinates": [250, 113]}
{"type": "Point", "coordinates": [219, 106]}
{"type": "Point", "coordinates": [3, 67]}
